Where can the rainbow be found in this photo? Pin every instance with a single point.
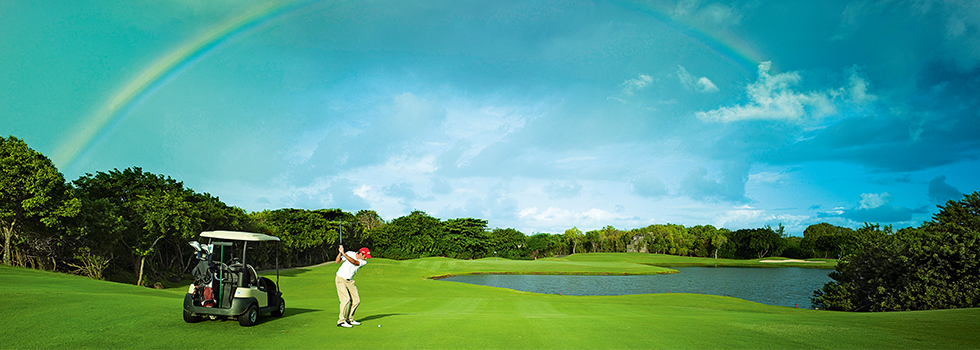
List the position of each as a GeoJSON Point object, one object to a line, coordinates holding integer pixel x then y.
{"type": "Point", "coordinates": [733, 48]}
{"type": "Point", "coordinates": [736, 50]}
{"type": "Point", "coordinates": [163, 69]}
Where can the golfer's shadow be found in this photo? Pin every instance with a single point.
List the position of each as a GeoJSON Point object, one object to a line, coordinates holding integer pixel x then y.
{"type": "Point", "coordinates": [375, 317]}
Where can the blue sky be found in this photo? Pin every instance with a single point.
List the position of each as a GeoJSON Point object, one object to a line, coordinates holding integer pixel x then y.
{"type": "Point", "coordinates": [535, 115]}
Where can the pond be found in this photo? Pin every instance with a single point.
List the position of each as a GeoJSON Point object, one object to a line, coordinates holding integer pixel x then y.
{"type": "Point", "coordinates": [782, 286]}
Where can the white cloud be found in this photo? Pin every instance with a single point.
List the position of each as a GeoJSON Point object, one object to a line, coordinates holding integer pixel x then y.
{"type": "Point", "coordinates": [744, 213]}
{"type": "Point", "coordinates": [563, 190]}
{"type": "Point", "coordinates": [858, 89]}
{"type": "Point", "coordinates": [772, 98]}
{"type": "Point", "coordinates": [555, 217]}
{"type": "Point", "coordinates": [410, 167]}
{"type": "Point", "coordinates": [699, 185]}
{"type": "Point", "coordinates": [767, 177]}
{"type": "Point", "coordinates": [705, 85]}
{"type": "Point", "coordinates": [963, 34]}
{"type": "Point", "coordinates": [940, 191]}
{"type": "Point", "coordinates": [599, 215]}
{"type": "Point", "coordinates": [363, 191]}
{"type": "Point", "coordinates": [702, 84]}
{"type": "Point", "coordinates": [473, 126]}
{"type": "Point", "coordinates": [410, 115]}
{"type": "Point", "coordinates": [578, 159]}
{"type": "Point", "coordinates": [528, 211]}
{"type": "Point", "coordinates": [952, 24]}
{"type": "Point", "coordinates": [713, 15]}
{"type": "Point", "coordinates": [636, 84]}
{"type": "Point", "coordinates": [552, 216]}
{"type": "Point", "coordinates": [746, 216]}
{"type": "Point", "coordinates": [649, 185]}
{"type": "Point", "coordinates": [874, 200]}
{"type": "Point", "coordinates": [875, 207]}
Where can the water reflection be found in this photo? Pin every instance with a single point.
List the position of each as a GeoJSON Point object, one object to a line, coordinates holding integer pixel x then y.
{"type": "Point", "coordinates": [785, 286]}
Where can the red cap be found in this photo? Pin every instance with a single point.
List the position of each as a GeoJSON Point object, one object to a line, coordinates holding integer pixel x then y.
{"type": "Point", "coordinates": [366, 252]}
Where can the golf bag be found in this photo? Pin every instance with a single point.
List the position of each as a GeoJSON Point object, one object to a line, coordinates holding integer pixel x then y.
{"type": "Point", "coordinates": [203, 283]}
{"type": "Point", "coordinates": [203, 274]}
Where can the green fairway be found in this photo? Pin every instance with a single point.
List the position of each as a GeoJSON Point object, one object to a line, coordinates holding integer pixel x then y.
{"type": "Point", "coordinates": [48, 310]}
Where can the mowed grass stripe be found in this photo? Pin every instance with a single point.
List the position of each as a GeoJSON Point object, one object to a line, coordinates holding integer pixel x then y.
{"type": "Point", "coordinates": [47, 310]}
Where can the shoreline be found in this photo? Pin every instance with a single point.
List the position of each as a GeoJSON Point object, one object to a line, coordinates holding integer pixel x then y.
{"type": "Point", "coordinates": [791, 261]}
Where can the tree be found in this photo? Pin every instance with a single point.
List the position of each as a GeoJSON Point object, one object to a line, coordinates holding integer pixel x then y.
{"type": "Point", "coordinates": [792, 249]}
{"type": "Point", "coordinates": [657, 238]}
{"type": "Point", "coordinates": [408, 237]}
{"type": "Point", "coordinates": [593, 237]}
{"type": "Point", "coordinates": [164, 214]}
{"type": "Point", "coordinates": [717, 241]}
{"type": "Point", "coordinates": [830, 246]}
{"type": "Point", "coordinates": [544, 244]}
{"type": "Point", "coordinates": [623, 239]}
{"type": "Point", "coordinates": [612, 240]}
{"type": "Point", "coordinates": [702, 235]}
{"type": "Point", "coordinates": [509, 243]}
{"type": "Point", "coordinates": [97, 229]}
{"type": "Point", "coordinates": [826, 240]}
{"type": "Point", "coordinates": [574, 236]}
{"type": "Point", "coordinates": [857, 278]}
{"type": "Point", "coordinates": [216, 215]}
{"type": "Point", "coordinates": [935, 266]}
{"type": "Point", "coordinates": [465, 238]}
{"type": "Point", "coordinates": [753, 243]}
{"type": "Point", "coordinates": [149, 218]}
{"type": "Point", "coordinates": [369, 219]}
{"type": "Point", "coordinates": [32, 193]}
{"type": "Point", "coordinates": [560, 244]}
{"type": "Point", "coordinates": [307, 236]}
{"type": "Point", "coordinates": [679, 239]}
{"type": "Point", "coordinates": [766, 241]}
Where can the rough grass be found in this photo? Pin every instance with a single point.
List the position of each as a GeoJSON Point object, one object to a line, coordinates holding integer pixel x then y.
{"type": "Point", "coordinates": [48, 310]}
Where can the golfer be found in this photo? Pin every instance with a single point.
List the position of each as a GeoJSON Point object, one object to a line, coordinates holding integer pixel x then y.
{"type": "Point", "coordinates": [349, 300]}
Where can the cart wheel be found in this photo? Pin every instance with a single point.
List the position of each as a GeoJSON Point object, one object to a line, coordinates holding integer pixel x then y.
{"type": "Point", "coordinates": [281, 310]}
{"type": "Point", "coordinates": [190, 318]}
{"type": "Point", "coordinates": [249, 317]}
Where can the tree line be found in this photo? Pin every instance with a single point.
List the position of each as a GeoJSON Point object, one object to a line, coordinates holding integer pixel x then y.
{"type": "Point", "coordinates": [134, 226]}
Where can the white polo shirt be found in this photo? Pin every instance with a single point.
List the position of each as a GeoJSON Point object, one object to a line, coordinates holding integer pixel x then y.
{"type": "Point", "coordinates": [347, 270]}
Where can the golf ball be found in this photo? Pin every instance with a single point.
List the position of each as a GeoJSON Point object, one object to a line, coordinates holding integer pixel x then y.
{"type": "Point", "coordinates": [379, 325]}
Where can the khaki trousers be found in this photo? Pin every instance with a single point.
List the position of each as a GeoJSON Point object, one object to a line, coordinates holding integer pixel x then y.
{"type": "Point", "coordinates": [349, 300]}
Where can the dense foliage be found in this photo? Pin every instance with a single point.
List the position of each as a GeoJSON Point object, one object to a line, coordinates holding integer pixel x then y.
{"type": "Point", "coordinates": [308, 237]}
{"type": "Point", "coordinates": [144, 221]}
{"type": "Point", "coordinates": [935, 266]}
{"type": "Point", "coordinates": [135, 226]}
{"type": "Point", "coordinates": [131, 225]}
{"type": "Point", "coordinates": [34, 201]}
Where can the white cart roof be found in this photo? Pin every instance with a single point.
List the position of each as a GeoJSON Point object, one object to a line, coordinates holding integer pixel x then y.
{"type": "Point", "coordinates": [238, 236]}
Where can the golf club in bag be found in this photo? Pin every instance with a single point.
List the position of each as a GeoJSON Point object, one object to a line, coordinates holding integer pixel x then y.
{"type": "Point", "coordinates": [204, 291]}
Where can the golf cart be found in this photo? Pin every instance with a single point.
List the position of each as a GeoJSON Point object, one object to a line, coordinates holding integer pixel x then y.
{"type": "Point", "coordinates": [226, 286]}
